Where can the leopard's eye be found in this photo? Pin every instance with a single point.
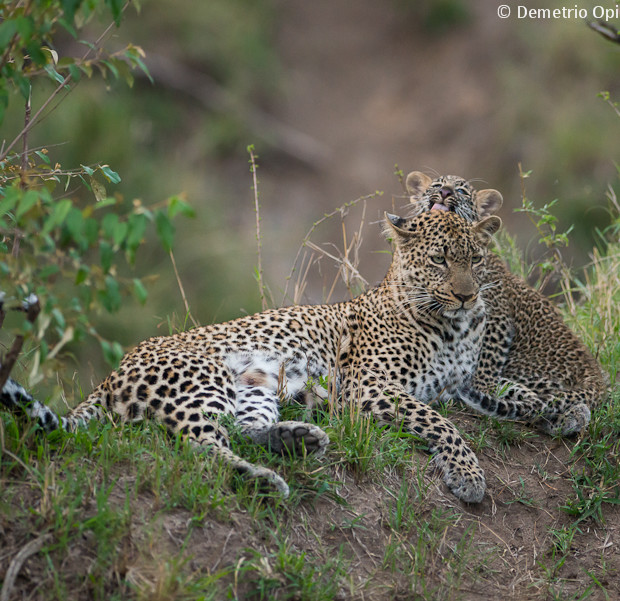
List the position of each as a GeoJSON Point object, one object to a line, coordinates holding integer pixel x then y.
{"type": "Point", "coordinates": [462, 191]}
{"type": "Point", "coordinates": [438, 259]}
{"type": "Point", "coordinates": [436, 185]}
{"type": "Point", "coordinates": [476, 259]}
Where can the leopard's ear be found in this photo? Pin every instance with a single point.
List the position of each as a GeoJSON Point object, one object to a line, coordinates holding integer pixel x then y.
{"type": "Point", "coordinates": [393, 229]}
{"type": "Point", "coordinates": [488, 202]}
{"type": "Point", "coordinates": [485, 228]}
{"type": "Point", "coordinates": [417, 182]}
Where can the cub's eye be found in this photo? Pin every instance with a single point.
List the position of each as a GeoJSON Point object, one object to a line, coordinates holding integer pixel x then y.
{"type": "Point", "coordinates": [438, 259]}
{"type": "Point", "coordinates": [476, 259]}
{"type": "Point", "coordinates": [462, 191]}
{"type": "Point", "coordinates": [436, 185]}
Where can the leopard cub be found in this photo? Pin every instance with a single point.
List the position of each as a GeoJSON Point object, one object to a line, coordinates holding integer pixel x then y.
{"type": "Point", "coordinates": [550, 378]}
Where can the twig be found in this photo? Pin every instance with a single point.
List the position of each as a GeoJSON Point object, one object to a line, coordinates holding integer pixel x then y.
{"type": "Point", "coordinates": [176, 273]}
{"type": "Point", "coordinates": [607, 30]}
{"type": "Point", "coordinates": [304, 243]}
{"type": "Point", "coordinates": [261, 285]}
{"type": "Point", "coordinates": [34, 546]}
{"type": "Point", "coordinates": [27, 112]}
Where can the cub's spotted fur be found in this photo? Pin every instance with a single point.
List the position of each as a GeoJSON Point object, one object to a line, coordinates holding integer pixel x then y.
{"type": "Point", "coordinates": [411, 340]}
{"type": "Point", "coordinates": [553, 380]}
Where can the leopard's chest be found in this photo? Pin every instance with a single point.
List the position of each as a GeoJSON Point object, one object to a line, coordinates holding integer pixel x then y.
{"type": "Point", "coordinates": [453, 354]}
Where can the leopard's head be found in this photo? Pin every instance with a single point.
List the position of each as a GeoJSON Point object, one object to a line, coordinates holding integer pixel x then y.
{"type": "Point", "coordinates": [439, 262]}
{"type": "Point", "coordinates": [451, 193]}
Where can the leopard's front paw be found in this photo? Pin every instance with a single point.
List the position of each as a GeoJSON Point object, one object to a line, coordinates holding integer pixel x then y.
{"type": "Point", "coordinates": [463, 476]}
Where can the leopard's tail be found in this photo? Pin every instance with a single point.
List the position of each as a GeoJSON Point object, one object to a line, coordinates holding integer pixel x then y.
{"type": "Point", "coordinates": [16, 398]}
{"type": "Point", "coordinates": [252, 471]}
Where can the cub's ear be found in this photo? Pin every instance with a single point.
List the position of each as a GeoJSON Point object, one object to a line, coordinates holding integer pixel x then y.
{"type": "Point", "coordinates": [488, 202]}
{"type": "Point", "coordinates": [394, 228]}
{"type": "Point", "coordinates": [486, 228]}
{"type": "Point", "coordinates": [417, 182]}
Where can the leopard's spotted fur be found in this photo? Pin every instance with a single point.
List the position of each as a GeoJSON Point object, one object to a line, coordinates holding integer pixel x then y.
{"type": "Point", "coordinates": [411, 340]}
{"type": "Point", "coordinates": [527, 346]}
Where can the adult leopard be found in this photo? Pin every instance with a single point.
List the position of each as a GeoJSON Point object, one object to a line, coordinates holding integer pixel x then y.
{"type": "Point", "coordinates": [527, 348]}
{"type": "Point", "coordinates": [411, 340]}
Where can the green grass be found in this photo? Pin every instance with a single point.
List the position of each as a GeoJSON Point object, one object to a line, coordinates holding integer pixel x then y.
{"type": "Point", "coordinates": [132, 513]}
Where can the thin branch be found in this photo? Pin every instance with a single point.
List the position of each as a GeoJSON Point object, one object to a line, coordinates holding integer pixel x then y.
{"type": "Point", "coordinates": [27, 112]}
{"type": "Point", "coordinates": [607, 30]}
{"type": "Point", "coordinates": [304, 243]}
{"type": "Point", "coordinates": [32, 308]}
{"type": "Point", "coordinates": [261, 285]}
{"type": "Point", "coordinates": [34, 546]}
{"type": "Point", "coordinates": [180, 284]}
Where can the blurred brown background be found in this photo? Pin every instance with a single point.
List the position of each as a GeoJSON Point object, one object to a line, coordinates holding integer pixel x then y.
{"type": "Point", "coordinates": [333, 94]}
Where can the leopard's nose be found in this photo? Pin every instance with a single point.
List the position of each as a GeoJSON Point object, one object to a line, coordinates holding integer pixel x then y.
{"type": "Point", "coordinates": [446, 191]}
{"type": "Point", "coordinates": [464, 297]}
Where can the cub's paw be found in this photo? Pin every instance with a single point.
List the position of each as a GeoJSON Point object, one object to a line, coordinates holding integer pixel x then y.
{"type": "Point", "coordinates": [297, 436]}
{"type": "Point", "coordinates": [464, 477]}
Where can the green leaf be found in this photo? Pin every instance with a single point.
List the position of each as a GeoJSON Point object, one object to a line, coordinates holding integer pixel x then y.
{"type": "Point", "coordinates": [48, 271]}
{"type": "Point", "coordinates": [9, 201]}
{"type": "Point", "coordinates": [8, 29]}
{"type": "Point", "coordinates": [165, 230]}
{"type": "Point", "coordinates": [54, 74]}
{"type": "Point", "coordinates": [59, 317]}
{"type": "Point", "coordinates": [106, 255]}
{"type": "Point", "coordinates": [24, 85]}
{"type": "Point", "coordinates": [75, 72]}
{"type": "Point", "coordinates": [69, 7]}
{"type": "Point", "coordinates": [28, 200]}
{"type": "Point", "coordinates": [112, 353]}
{"type": "Point", "coordinates": [4, 100]}
{"type": "Point", "coordinates": [74, 224]}
{"type": "Point", "coordinates": [124, 71]}
{"type": "Point", "coordinates": [137, 226]}
{"type": "Point", "coordinates": [106, 202]}
{"type": "Point", "coordinates": [43, 350]}
{"type": "Point", "coordinates": [112, 176]}
{"type": "Point", "coordinates": [120, 232]}
{"type": "Point", "coordinates": [139, 291]}
{"type": "Point", "coordinates": [58, 215]}
{"type": "Point", "coordinates": [81, 275]}
{"type": "Point", "coordinates": [110, 297]}
{"type": "Point", "coordinates": [108, 223]}
{"type": "Point", "coordinates": [91, 231]}
{"type": "Point", "coordinates": [176, 206]}
{"type": "Point", "coordinates": [111, 67]}
{"type": "Point", "coordinates": [42, 156]}
{"type": "Point", "coordinates": [116, 7]}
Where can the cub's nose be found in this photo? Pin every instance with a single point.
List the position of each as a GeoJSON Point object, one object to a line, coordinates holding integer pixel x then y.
{"type": "Point", "coordinates": [446, 191]}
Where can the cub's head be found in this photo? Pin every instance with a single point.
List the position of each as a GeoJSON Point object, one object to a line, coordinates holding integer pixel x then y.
{"type": "Point", "coordinates": [439, 261]}
{"type": "Point", "coordinates": [451, 193]}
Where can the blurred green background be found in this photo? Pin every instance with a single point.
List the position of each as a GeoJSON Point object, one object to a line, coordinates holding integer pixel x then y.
{"type": "Point", "coordinates": [333, 94]}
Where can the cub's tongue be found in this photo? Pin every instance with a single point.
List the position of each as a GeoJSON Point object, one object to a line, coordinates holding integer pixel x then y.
{"type": "Point", "coordinates": [439, 207]}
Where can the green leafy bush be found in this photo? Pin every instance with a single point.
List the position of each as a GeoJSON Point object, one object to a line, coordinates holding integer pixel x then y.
{"type": "Point", "coordinates": [62, 236]}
